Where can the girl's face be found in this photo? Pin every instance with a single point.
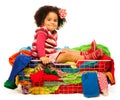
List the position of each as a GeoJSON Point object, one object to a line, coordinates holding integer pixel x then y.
{"type": "Point", "coordinates": [51, 21]}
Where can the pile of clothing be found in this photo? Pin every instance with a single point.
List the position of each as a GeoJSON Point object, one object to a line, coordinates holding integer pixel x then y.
{"type": "Point", "coordinates": [88, 77]}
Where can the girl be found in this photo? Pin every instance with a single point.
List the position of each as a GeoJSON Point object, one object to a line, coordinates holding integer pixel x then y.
{"type": "Point", "coordinates": [49, 19]}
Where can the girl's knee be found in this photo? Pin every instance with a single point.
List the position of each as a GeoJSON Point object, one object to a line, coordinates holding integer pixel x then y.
{"type": "Point", "coordinates": [63, 57]}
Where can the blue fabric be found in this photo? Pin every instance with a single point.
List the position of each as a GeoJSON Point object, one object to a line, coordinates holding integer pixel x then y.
{"type": "Point", "coordinates": [90, 84]}
{"type": "Point", "coordinates": [20, 63]}
{"type": "Point", "coordinates": [25, 48]}
{"type": "Point", "coordinates": [33, 64]}
{"type": "Point", "coordinates": [70, 70]}
{"type": "Point", "coordinates": [89, 64]}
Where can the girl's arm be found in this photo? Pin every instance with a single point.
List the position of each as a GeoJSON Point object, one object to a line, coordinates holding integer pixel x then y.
{"type": "Point", "coordinates": [41, 38]}
{"type": "Point", "coordinates": [40, 43]}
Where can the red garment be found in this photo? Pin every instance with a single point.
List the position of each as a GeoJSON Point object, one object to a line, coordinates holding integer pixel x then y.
{"type": "Point", "coordinates": [37, 79]}
{"type": "Point", "coordinates": [69, 89]}
{"type": "Point", "coordinates": [79, 63]}
{"type": "Point", "coordinates": [109, 67]}
{"type": "Point", "coordinates": [103, 66]}
{"type": "Point", "coordinates": [44, 42]}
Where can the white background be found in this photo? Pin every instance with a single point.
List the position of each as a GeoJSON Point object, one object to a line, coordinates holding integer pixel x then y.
{"type": "Point", "coordinates": [86, 20]}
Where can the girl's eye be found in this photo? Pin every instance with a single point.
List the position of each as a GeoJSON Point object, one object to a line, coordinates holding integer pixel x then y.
{"type": "Point", "coordinates": [48, 19]}
{"type": "Point", "coordinates": [55, 20]}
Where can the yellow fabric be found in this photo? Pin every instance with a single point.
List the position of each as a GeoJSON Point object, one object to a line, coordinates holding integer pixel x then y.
{"type": "Point", "coordinates": [17, 80]}
{"type": "Point", "coordinates": [73, 65]}
{"type": "Point", "coordinates": [27, 71]}
{"type": "Point", "coordinates": [43, 90]}
{"type": "Point", "coordinates": [38, 90]}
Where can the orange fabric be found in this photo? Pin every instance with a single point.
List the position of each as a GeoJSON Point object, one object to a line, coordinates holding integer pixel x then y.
{"type": "Point", "coordinates": [12, 58]}
{"type": "Point", "coordinates": [110, 77]}
{"type": "Point", "coordinates": [24, 83]}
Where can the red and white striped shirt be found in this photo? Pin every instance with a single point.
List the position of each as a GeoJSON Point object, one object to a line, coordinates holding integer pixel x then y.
{"type": "Point", "coordinates": [44, 42]}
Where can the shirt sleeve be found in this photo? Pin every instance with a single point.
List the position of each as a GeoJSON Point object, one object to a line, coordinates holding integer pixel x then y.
{"type": "Point", "coordinates": [41, 43]}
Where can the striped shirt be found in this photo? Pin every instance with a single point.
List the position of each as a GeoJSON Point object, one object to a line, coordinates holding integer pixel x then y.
{"type": "Point", "coordinates": [44, 42]}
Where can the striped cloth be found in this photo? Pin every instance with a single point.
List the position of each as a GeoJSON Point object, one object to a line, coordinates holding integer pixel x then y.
{"type": "Point", "coordinates": [103, 84]}
{"type": "Point", "coordinates": [44, 42]}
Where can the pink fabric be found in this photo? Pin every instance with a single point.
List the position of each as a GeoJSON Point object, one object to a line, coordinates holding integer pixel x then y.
{"type": "Point", "coordinates": [53, 56]}
{"type": "Point", "coordinates": [103, 84]}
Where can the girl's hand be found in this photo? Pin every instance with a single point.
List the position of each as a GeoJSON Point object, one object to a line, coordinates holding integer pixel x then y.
{"type": "Point", "coordinates": [45, 60]}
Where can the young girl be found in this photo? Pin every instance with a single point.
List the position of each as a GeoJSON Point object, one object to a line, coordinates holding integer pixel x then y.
{"type": "Point", "coordinates": [49, 19]}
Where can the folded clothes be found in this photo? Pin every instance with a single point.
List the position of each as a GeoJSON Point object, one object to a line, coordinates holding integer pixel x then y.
{"type": "Point", "coordinates": [90, 84]}
{"type": "Point", "coordinates": [86, 64]}
{"type": "Point", "coordinates": [89, 64]}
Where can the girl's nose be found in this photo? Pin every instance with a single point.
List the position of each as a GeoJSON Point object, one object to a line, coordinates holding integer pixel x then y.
{"type": "Point", "coordinates": [52, 21]}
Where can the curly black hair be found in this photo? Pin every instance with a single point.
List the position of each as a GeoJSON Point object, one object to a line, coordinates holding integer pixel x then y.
{"type": "Point", "coordinates": [42, 12]}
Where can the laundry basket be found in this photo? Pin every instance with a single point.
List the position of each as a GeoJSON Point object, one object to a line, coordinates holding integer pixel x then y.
{"type": "Point", "coordinates": [58, 78]}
